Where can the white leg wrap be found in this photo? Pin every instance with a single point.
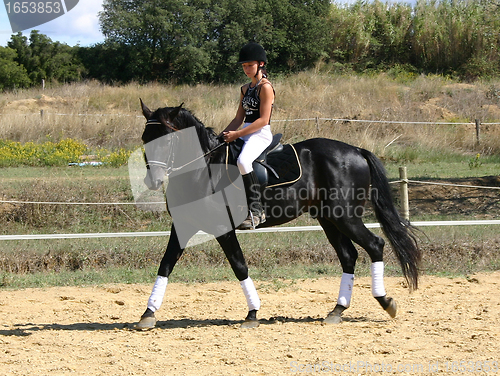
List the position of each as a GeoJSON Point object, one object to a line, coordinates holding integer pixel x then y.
{"type": "Point", "coordinates": [156, 298]}
{"type": "Point", "coordinates": [251, 295]}
{"type": "Point", "coordinates": [377, 269]}
{"type": "Point", "coordinates": [345, 292]}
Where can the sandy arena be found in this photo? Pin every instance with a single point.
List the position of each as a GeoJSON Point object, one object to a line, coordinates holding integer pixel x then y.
{"type": "Point", "coordinates": [89, 331]}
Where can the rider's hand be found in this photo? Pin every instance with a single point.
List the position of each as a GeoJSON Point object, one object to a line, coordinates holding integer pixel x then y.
{"type": "Point", "coordinates": [230, 136]}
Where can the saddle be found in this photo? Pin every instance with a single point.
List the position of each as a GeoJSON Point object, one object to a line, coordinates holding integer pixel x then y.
{"type": "Point", "coordinates": [277, 165]}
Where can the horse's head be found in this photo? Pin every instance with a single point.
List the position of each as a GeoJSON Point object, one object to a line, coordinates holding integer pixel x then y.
{"type": "Point", "coordinates": [158, 138]}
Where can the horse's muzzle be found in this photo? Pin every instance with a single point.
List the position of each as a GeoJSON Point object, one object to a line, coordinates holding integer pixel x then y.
{"type": "Point", "coordinates": [152, 183]}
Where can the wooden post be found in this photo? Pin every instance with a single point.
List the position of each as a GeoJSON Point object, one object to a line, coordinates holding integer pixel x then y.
{"type": "Point", "coordinates": [478, 130]}
{"type": "Point", "coordinates": [403, 193]}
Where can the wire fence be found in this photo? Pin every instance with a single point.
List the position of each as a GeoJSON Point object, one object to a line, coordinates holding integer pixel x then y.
{"type": "Point", "coordinates": [476, 123]}
{"type": "Point", "coordinates": [317, 119]}
{"type": "Point", "coordinates": [443, 184]}
{"type": "Point", "coordinates": [201, 233]}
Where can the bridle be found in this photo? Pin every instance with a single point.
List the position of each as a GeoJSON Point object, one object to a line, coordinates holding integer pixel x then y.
{"type": "Point", "coordinates": [167, 123]}
{"type": "Point", "coordinates": [165, 165]}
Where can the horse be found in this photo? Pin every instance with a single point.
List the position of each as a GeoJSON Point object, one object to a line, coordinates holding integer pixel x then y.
{"type": "Point", "coordinates": [337, 181]}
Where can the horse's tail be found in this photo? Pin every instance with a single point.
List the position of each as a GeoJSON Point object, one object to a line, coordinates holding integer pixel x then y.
{"type": "Point", "coordinates": [396, 229]}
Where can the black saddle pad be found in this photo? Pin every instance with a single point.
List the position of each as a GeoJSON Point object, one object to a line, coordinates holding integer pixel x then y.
{"type": "Point", "coordinates": [282, 159]}
{"type": "Point", "coordinates": [286, 164]}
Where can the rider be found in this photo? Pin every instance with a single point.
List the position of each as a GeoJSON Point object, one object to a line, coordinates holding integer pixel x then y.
{"type": "Point", "coordinates": [255, 107]}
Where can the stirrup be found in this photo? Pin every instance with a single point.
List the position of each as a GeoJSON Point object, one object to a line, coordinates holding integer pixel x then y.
{"type": "Point", "coordinates": [251, 222]}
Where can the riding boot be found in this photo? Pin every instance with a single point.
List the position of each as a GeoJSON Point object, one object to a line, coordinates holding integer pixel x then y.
{"type": "Point", "coordinates": [256, 214]}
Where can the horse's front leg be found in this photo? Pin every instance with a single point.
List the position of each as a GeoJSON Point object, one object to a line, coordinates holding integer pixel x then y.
{"type": "Point", "coordinates": [234, 254]}
{"type": "Point", "coordinates": [172, 254]}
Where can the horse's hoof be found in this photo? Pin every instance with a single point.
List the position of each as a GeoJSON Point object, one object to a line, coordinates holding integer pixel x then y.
{"type": "Point", "coordinates": [392, 308]}
{"type": "Point", "coordinates": [250, 324]}
{"type": "Point", "coordinates": [335, 317]}
{"type": "Point", "coordinates": [332, 319]}
{"type": "Point", "coordinates": [147, 322]}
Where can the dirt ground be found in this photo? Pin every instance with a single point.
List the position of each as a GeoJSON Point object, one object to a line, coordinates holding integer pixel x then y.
{"type": "Point", "coordinates": [90, 330]}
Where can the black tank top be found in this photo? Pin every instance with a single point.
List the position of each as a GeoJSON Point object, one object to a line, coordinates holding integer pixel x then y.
{"type": "Point", "coordinates": [251, 103]}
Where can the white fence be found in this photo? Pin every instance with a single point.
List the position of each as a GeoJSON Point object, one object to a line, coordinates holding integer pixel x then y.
{"type": "Point", "coordinates": [257, 231]}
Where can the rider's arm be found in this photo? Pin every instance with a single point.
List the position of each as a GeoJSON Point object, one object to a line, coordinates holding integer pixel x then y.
{"type": "Point", "coordinates": [238, 119]}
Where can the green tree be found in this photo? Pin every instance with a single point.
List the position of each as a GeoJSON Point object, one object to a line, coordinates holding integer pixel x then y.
{"type": "Point", "coordinates": [111, 62]}
{"type": "Point", "coordinates": [199, 40]}
{"type": "Point", "coordinates": [164, 34]}
{"type": "Point", "coordinates": [12, 75]}
{"type": "Point", "coordinates": [300, 32]}
{"type": "Point", "coordinates": [46, 60]}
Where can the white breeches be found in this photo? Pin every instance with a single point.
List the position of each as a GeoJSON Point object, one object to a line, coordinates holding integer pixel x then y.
{"type": "Point", "coordinates": [255, 144]}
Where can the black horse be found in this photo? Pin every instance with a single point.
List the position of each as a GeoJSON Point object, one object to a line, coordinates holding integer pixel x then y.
{"type": "Point", "coordinates": [336, 182]}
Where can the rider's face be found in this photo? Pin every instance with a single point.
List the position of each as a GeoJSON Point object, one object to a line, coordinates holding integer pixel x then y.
{"type": "Point", "coordinates": [251, 68]}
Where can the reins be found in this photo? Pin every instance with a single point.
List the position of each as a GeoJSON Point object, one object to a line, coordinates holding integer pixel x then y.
{"type": "Point", "coordinates": [173, 169]}
{"type": "Point", "coordinates": [197, 158]}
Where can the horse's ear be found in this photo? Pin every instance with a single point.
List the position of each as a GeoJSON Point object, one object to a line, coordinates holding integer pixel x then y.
{"type": "Point", "coordinates": [145, 110]}
{"type": "Point", "coordinates": [173, 114]}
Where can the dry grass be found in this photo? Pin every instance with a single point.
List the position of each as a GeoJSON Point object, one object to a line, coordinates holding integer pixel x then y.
{"type": "Point", "coordinates": [110, 116]}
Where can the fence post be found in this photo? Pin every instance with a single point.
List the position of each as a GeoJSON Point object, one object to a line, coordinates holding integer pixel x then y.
{"type": "Point", "coordinates": [478, 130]}
{"type": "Point", "coordinates": [403, 193]}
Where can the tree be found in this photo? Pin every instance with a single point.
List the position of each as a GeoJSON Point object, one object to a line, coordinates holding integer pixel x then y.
{"type": "Point", "coordinates": [12, 75]}
{"type": "Point", "coordinates": [165, 35]}
{"type": "Point", "coordinates": [111, 62]}
{"type": "Point", "coordinates": [199, 40]}
{"type": "Point", "coordinates": [46, 60]}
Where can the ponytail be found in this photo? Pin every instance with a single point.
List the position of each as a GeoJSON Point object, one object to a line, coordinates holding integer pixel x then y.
{"type": "Point", "coordinates": [263, 70]}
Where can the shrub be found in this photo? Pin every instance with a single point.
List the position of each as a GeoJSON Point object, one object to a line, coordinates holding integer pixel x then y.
{"type": "Point", "coordinates": [13, 154]}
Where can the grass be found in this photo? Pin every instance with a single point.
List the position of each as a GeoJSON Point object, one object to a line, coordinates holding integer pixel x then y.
{"type": "Point", "coordinates": [447, 250]}
{"type": "Point", "coordinates": [110, 117]}
{"type": "Point", "coordinates": [428, 152]}
{"type": "Point", "coordinates": [443, 169]}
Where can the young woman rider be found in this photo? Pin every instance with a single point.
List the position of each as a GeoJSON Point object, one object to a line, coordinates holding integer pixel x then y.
{"type": "Point", "coordinates": [254, 111]}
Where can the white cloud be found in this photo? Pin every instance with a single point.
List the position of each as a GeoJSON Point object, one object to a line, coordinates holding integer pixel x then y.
{"type": "Point", "coordinates": [79, 26]}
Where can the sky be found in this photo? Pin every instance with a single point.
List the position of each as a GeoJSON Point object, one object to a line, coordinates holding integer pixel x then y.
{"type": "Point", "coordinates": [79, 26]}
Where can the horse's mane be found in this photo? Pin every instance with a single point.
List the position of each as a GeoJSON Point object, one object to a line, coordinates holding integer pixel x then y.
{"type": "Point", "coordinates": [186, 119]}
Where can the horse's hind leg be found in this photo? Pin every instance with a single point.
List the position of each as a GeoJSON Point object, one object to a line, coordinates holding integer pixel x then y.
{"type": "Point", "coordinates": [234, 255]}
{"type": "Point", "coordinates": [347, 255]}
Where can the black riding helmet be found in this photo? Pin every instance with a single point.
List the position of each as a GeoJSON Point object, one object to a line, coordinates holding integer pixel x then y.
{"type": "Point", "coordinates": [252, 52]}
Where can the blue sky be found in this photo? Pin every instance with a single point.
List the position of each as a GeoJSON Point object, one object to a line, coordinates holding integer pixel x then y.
{"type": "Point", "coordinates": [78, 26]}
